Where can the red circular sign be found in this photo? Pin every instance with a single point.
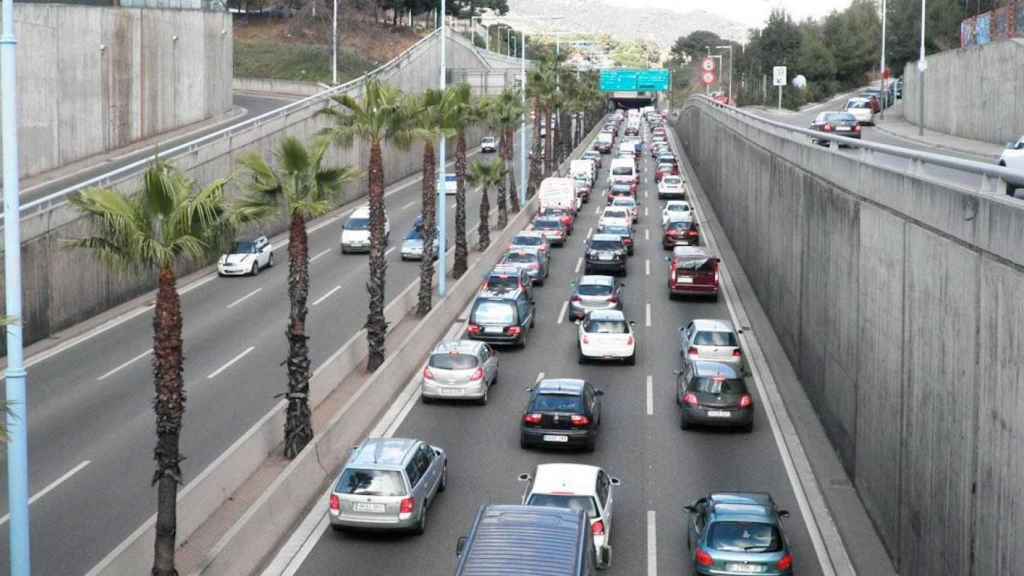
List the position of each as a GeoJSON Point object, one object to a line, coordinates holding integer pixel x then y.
{"type": "Point", "coordinates": [708, 78]}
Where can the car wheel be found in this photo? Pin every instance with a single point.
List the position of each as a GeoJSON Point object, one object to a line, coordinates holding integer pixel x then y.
{"type": "Point", "coordinates": [748, 428]}
{"type": "Point", "coordinates": [483, 399]}
{"type": "Point", "coordinates": [523, 442]}
{"type": "Point", "coordinates": [522, 341]}
{"type": "Point", "coordinates": [631, 361]}
{"type": "Point", "coordinates": [684, 422]}
{"type": "Point", "coordinates": [426, 399]}
{"type": "Point", "coordinates": [343, 251]}
{"type": "Point", "coordinates": [255, 269]}
{"type": "Point", "coordinates": [444, 479]}
{"type": "Point", "coordinates": [337, 528]}
{"type": "Point", "coordinates": [421, 526]}
{"type": "Point", "coordinates": [580, 358]}
{"type": "Point", "coordinates": [270, 262]}
{"type": "Point", "coordinates": [588, 447]}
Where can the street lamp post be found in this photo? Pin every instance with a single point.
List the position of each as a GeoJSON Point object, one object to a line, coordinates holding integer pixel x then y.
{"type": "Point", "coordinates": [442, 188]}
{"type": "Point", "coordinates": [922, 65]}
{"type": "Point", "coordinates": [881, 68]}
{"type": "Point", "coordinates": [334, 41]}
{"type": "Point", "coordinates": [731, 61]}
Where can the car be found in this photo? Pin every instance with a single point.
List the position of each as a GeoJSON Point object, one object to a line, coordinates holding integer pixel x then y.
{"type": "Point", "coordinates": [577, 487]}
{"type": "Point", "coordinates": [605, 253]}
{"type": "Point", "coordinates": [860, 108]}
{"type": "Point", "coordinates": [561, 412]}
{"type": "Point", "coordinates": [665, 169]}
{"type": "Point", "coordinates": [624, 232]}
{"type": "Point", "coordinates": [692, 272]}
{"type": "Point", "coordinates": [712, 340]}
{"type": "Point", "coordinates": [871, 95]}
{"type": "Point", "coordinates": [583, 189]}
{"type": "Point", "coordinates": [606, 335]}
{"type": "Point", "coordinates": [668, 158]}
{"type": "Point", "coordinates": [530, 260]}
{"type": "Point", "coordinates": [629, 203]}
{"type": "Point", "coordinates": [1013, 155]}
{"type": "Point", "coordinates": [552, 228]}
{"type": "Point", "coordinates": [531, 239]}
{"type": "Point", "coordinates": [730, 533]}
{"type": "Point", "coordinates": [593, 155]}
{"type": "Point", "coordinates": [567, 216]}
{"type": "Point", "coordinates": [388, 484]}
{"type": "Point", "coordinates": [460, 370]}
{"type": "Point", "coordinates": [593, 292]}
{"type": "Point", "coordinates": [841, 123]}
{"type": "Point", "coordinates": [898, 88]}
{"type": "Point", "coordinates": [488, 144]}
{"type": "Point", "coordinates": [501, 320]}
{"type": "Point", "coordinates": [620, 189]}
{"type": "Point", "coordinates": [615, 216]}
{"type": "Point", "coordinates": [505, 279]}
{"type": "Point", "coordinates": [671, 187]}
{"type": "Point", "coordinates": [676, 210]}
{"type": "Point", "coordinates": [355, 234]}
{"type": "Point", "coordinates": [713, 394]}
{"type": "Point", "coordinates": [680, 233]}
{"type": "Point", "coordinates": [412, 245]}
{"type": "Point", "coordinates": [247, 256]}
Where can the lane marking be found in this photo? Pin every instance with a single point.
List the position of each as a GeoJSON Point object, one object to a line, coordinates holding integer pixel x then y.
{"type": "Point", "coordinates": [389, 251]}
{"type": "Point", "coordinates": [645, 193]}
{"type": "Point", "coordinates": [652, 544]}
{"type": "Point", "coordinates": [408, 205]}
{"type": "Point", "coordinates": [650, 395]}
{"type": "Point", "coordinates": [561, 314]}
{"type": "Point", "coordinates": [647, 266]}
{"type": "Point", "coordinates": [590, 232]}
{"type": "Point", "coordinates": [597, 209]}
{"type": "Point", "coordinates": [244, 353]}
{"type": "Point", "coordinates": [125, 365]}
{"type": "Point", "coordinates": [647, 233]}
{"type": "Point", "coordinates": [51, 487]}
{"type": "Point", "coordinates": [579, 262]}
{"type": "Point", "coordinates": [648, 314]}
{"type": "Point", "coordinates": [319, 256]}
{"type": "Point", "coordinates": [244, 298]}
{"type": "Point", "coordinates": [328, 295]}
{"type": "Point", "coordinates": [645, 212]}
{"type": "Point", "coordinates": [540, 377]}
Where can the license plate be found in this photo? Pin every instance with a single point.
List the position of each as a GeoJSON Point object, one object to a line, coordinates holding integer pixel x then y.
{"type": "Point", "coordinates": [744, 568]}
{"type": "Point", "coordinates": [555, 438]}
{"type": "Point", "coordinates": [604, 257]}
{"type": "Point", "coordinates": [843, 129]}
{"type": "Point", "coordinates": [493, 330]}
{"type": "Point", "coordinates": [685, 280]}
{"type": "Point", "coordinates": [368, 507]}
{"type": "Point", "coordinates": [719, 414]}
{"type": "Point", "coordinates": [451, 391]}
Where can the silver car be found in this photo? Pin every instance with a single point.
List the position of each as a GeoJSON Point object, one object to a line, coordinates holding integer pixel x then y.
{"type": "Point", "coordinates": [532, 260]}
{"type": "Point", "coordinates": [594, 293]}
{"type": "Point", "coordinates": [713, 340]}
{"type": "Point", "coordinates": [388, 484]}
{"type": "Point", "coordinates": [460, 369]}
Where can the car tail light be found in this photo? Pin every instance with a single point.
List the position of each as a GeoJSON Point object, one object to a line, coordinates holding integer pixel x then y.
{"type": "Point", "coordinates": [690, 398]}
{"type": "Point", "coordinates": [691, 233]}
{"type": "Point", "coordinates": [629, 341]}
{"type": "Point", "coordinates": [705, 559]}
{"type": "Point", "coordinates": [478, 374]}
{"type": "Point", "coordinates": [473, 329]}
{"type": "Point", "coordinates": [427, 374]}
{"type": "Point", "coordinates": [597, 528]}
{"type": "Point", "coordinates": [613, 300]}
{"type": "Point", "coordinates": [737, 353]}
{"type": "Point", "coordinates": [577, 299]}
{"type": "Point", "coordinates": [579, 420]}
{"type": "Point", "coordinates": [514, 330]}
{"type": "Point", "coordinates": [692, 352]}
{"type": "Point", "coordinates": [856, 127]}
{"type": "Point", "coordinates": [335, 503]}
{"type": "Point", "coordinates": [407, 506]}
{"type": "Point", "coordinates": [827, 128]}
{"type": "Point", "coordinates": [746, 401]}
{"type": "Point", "coordinates": [672, 232]}
{"type": "Point", "coordinates": [786, 563]}
{"type": "Point", "coordinates": [532, 418]}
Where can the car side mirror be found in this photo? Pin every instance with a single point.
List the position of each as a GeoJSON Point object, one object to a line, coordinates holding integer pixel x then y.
{"type": "Point", "coordinates": [677, 372]}
{"type": "Point", "coordinates": [524, 477]}
{"type": "Point", "coordinates": [668, 258]}
{"type": "Point", "coordinates": [783, 513]}
{"type": "Point", "coordinates": [598, 392]}
{"type": "Point", "coordinates": [615, 481]}
{"type": "Point", "coordinates": [690, 508]}
{"type": "Point", "coordinates": [460, 546]}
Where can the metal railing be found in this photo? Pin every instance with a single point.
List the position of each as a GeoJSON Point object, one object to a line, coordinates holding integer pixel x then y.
{"type": "Point", "coordinates": [994, 178]}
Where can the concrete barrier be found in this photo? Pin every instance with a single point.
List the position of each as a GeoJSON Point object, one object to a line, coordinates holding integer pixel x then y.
{"type": "Point", "coordinates": [275, 86]}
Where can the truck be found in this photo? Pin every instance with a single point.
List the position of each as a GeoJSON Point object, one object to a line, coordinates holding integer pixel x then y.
{"type": "Point", "coordinates": [583, 169]}
{"type": "Point", "coordinates": [557, 192]}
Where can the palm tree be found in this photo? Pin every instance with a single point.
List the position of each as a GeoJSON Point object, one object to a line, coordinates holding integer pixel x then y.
{"type": "Point", "coordinates": [377, 119]}
{"type": "Point", "coordinates": [505, 116]}
{"type": "Point", "coordinates": [539, 89]}
{"type": "Point", "coordinates": [168, 221]}
{"type": "Point", "coordinates": [466, 112]}
{"type": "Point", "coordinates": [486, 176]}
{"type": "Point", "coordinates": [307, 189]}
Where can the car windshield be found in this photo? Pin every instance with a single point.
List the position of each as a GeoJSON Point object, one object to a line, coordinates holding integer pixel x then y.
{"type": "Point", "coordinates": [415, 234]}
{"type": "Point", "coordinates": [594, 290]}
{"type": "Point", "coordinates": [371, 482]}
{"type": "Point", "coordinates": [572, 502]}
{"type": "Point", "coordinates": [614, 213]}
{"type": "Point", "coordinates": [606, 327]}
{"type": "Point", "coordinates": [605, 244]}
{"type": "Point", "coordinates": [547, 225]}
{"type": "Point", "coordinates": [622, 171]}
{"type": "Point", "coordinates": [520, 258]}
{"type": "Point", "coordinates": [453, 361]}
{"type": "Point", "coordinates": [244, 247]}
{"type": "Point", "coordinates": [358, 224]}
{"type": "Point", "coordinates": [502, 282]}
{"type": "Point", "coordinates": [527, 241]}
{"type": "Point", "coordinates": [714, 338]}
{"type": "Point", "coordinates": [557, 403]}
{"type": "Point", "coordinates": [744, 536]}
{"type": "Point", "coordinates": [718, 385]}
{"type": "Point", "coordinates": [494, 313]}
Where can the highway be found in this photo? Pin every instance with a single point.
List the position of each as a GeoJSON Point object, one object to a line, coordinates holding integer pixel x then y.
{"type": "Point", "coordinates": [91, 427]}
{"type": "Point", "coordinates": [661, 467]}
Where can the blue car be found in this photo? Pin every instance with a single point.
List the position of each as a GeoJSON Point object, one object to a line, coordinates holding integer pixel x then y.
{"type": "Point", "coordinates": [734, 533]}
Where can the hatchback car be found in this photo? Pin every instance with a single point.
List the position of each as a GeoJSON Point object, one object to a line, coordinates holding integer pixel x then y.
{"type": "Point", "coordinates": [552, 228]}
{"type": "Point", "coordinates": [692, 272]}
{"type": "Point", "coordinates": [388, 484]}
{"type": "Point", "coordinates": [680, 233]}
{"type": "Point", "coordinates": [246, 257]}
{"type": "Point", "coordinates": [671, 188]}
{"type": "Point", "coordinates": [531, 260]}
{"type": "Point", "coordinates": [561, 412]}
{"type": "Point", "coordinates": [503, 321]}
{"type": "Point", "coordinates": [624, 232]}
{"type": "Point", "coordinates": [605, 253]}
{"type": "Point", "coordinates": [621, 190]}
{"type": "Point", "coordinates": [606, 335]}
{"type": "Point", "coordinates": [841, 123]}
{"type": "Point", "coordinates": [567, 217]}
{"type": "Point", "coordinates": [860, 108]}
{"type": "Point", "coordinates": [593, 292]}
{"type": "Point", "coordinates": [531, 239]}
{"type": "Point", "coordinates": [676, 210]}
{"type": "Point", "coordinates": [505, 280]}
{"type": "Point", "coordinates": [733, 533]}
{"type": "Point", "coordinates": [665, 169]}
{"type": "Point", "coordinates": [713, 394]}
{"type": "Point", "coordinates": [488, 144]}
{"type": "Point", "coordinates": [460, 370]}
{"type": "Point", "coordinates": [629, 203]}
{"type": "Point", "coordinates": [710, 339]}
{"type": "Point", "coordinates": [593, 155]}
{"type": "Point", "coordinates": [412, 245]}
{"type": "Point", "coordinates": [577, 487]}
{"type": "Point", "coordinates": [355, 235]}
{"type": "Point", "coordinates": [615, 216]}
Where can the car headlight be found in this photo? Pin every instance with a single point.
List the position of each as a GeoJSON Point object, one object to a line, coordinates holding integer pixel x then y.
{"type": "Point", "coordinates": [222, 259]}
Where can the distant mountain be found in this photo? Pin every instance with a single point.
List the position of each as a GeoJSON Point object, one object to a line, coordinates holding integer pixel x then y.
{"type": "Point", "coordinates": [622, 20]}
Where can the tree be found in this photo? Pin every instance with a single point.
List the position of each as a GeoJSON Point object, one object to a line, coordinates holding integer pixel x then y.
{"type": "Point", "coordinates": [693, 45]}
{"type": "Point", "coordinates": [306, 189]}
{"type": "Point", "coordinates": [377, 119]}
{"type": "Point", "coordinates": [468, 8]}
{"type": "Point", "coordinates": [166, 222]}
{"type": "Point", "coordinates": [504, 115]}
{"type": "Point", "coordinates": [465, 111]}
{"type": "Point", "coordinates": [486, 176]}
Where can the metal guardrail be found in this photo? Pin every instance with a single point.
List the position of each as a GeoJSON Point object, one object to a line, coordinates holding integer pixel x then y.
{"type": "Point", "coordinates": [994, 178]}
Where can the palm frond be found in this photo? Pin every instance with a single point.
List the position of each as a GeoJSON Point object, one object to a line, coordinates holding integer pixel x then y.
{"type": "Point", "coordinates": [292, 156]}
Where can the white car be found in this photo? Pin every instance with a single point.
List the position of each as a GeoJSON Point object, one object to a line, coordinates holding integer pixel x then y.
{"type": "Point", "coordinates": [488, 144]}
{"type": "Point", "coordinates": [246, 257]}
{"type": "Point", "coordinates": [606, 335]}
{"type": "Point", "coordinates": [615, 216]}
{"type": "Point", "coordinates": [577, 487]}
{"type": "Point", "coordinates": [1013, 156]}
{"type": "Point", "coordinates": [629, 203]}
{"type": "Point", "coordinates": [671, 187]}
{"type": "Point", "coordinates": [860, 108]}
{"type": "Point", "coordinates": [676, 210]}
{"type": "Point", "coordinates": [355, 235]}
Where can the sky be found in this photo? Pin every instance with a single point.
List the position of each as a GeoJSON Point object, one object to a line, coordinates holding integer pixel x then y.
{"type": "Point", "coordinates": [747, 12]}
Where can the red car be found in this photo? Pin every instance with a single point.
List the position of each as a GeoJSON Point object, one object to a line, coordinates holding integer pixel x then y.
{"type": "Point", "coordinates": [680, 233]}
{"type": "Point", "coordinates": [666, 169]}
{"type": "Point", "coordinates": [693, 272]}
{"type": "Point", "coordinates": [567, 217]}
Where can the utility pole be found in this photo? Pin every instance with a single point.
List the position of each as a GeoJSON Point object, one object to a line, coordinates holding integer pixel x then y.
{"type": "Point", "coordinates": [442, 188]}
{"type": "Point", "coordinates": [334, 40]}
{"type": "Point", "coordinates": [922, 65]}
{"type": "Point", "coordinates": [881, 69]}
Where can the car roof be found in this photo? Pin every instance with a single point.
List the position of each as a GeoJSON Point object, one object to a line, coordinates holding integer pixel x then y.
{"type": "Point", "coordinates": [548, 218]}
{"type": "Point", "coordinates": [608, 237]}
{"type": "Point", "coordinates": [505, 270]}
{"type": "Point", "coordinates": [557, 478]}
{"type": "Point", "coordinates": [713, 325]}
{"type": "Point", "coordinates": [382, 452]}
{"type": "Point", "coordinates": [566, 386]}
{"type": "Point", "coordinates": [458, 347]}
{"type": "Point", "coordinates": [607, 315]}
{"type": "Point", "coordinates": [597, 279]}
{"type": "Point", "coordinates": [518, 249]}
{"type": "Point", "coordinates": [710, 368]}
{"type": "Point", "coordinates": [690, 252]}
{"type": "Point", "coordinates": [676, 203]}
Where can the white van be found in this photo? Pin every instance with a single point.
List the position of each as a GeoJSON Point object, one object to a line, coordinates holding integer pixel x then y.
{"type": "Point", "coordinates": [622, 170]}
{"type": "Point", "coordinates": [583, 169]}
{"type": "Point", "coordinates": [558, 193]}
{"type": "Point", "coordinates": [355, 235]}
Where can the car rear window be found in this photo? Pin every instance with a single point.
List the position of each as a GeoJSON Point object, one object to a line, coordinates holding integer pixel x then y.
{"type": "Point", "coordinates": [706, 265]}
{"type": "Point", "coordinates": [672, 181]}
{"type": "Point", "coordinates": [615, 213]}
{"type": "Point", "coordinates": [371, 482]}
{"type": "Point", "coordinates": [718, 385]}
{"type": "Point", "coordinates": [714, 338]}
{"type": "Point", "coordinates": [606, 327]}
{"type": "Point", "coordinates": [502, 282]}
{"type": "Point", "coordinates": [358, 224]}
{"type": "Point", "coordinates": [454, 361]}
{"type": "Point", "coordinates": [678, 207]}
{"type": "Point", "coordinates": [606, 244]}
{"type": "Point", "coordinates": [744, 536]}
{"type": "Point", "coordinates": [494, 313]}
{"type": "Point", "coordinates": [557, 403]}
{"type": "Point", "coordinates": [520, 258]}
{"type": "Point", "coordinates": [571, 502]}
{"type": "Point", "coordinates": [527, 241]}
{"type": "Point", "coordinates": [594, 289]}
{"type": "Point", "coordinates": [683, 225]}
{"type": "Point", "coordinates": [622, 171]}
{"type": "Point", "coordinates": [624, 201]}
{"type": "Point", "coordinates": [547, 225]}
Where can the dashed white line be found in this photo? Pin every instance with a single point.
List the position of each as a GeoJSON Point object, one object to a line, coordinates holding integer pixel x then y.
{"type": "Point", "coordinates": [647, 233]}
{"type": "Point", "coordinates": [230, 363]}
{"type": "Point", "coordinates": [652, 544]}
{"type": "Point", "coordinates": [590, 232]}
{"type": "Point", "coordinates": [645, 193]}
{"type": "Point", "coordinates": [579, 263]}
{"type": "Point", "coordinates": [320, 255]}
{"type": "Point", "coordinates": [650, 395]}
{"type": "Point", "coordinates": [326, 296]}
{"type": "Point", "coordinates": [121, 366]}
{"type": "Point", "coordinates": [389, 251]}
{"type": "Point", "coordinates": [408, 205]}
{"type": "Point", "coordinates": [51, 487]}
{"type": "Point", "coordinates": [597, 209]}
{"type": "Point", "coordinates": [648, 314]}
{"type": "Point", "coordinates": [561, 314]}
{"type": "Point", "coordinates": [647, 266]}
{"type": "Point", "coordinates": [645, 211]}
{"type": "Point", "coordinates": [244, 298]}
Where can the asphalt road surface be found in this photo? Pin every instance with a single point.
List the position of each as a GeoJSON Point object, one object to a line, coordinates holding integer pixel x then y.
{"type": "Point", "coordinates": [661, 467]}
{"type": "Point", "coordinates": [91, 425]}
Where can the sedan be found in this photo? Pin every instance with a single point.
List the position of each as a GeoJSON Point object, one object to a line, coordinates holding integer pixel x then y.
{"type": "Point", "coordinates": [713, 394]}
{"type": "Point", "coordinates": [561, 412]}
{"type": "Point", "coordinates": [605, 253]}
{"type": "Point", "coordinates": [594, 293]}
{"type": "Point", "coordinates": [733, 533]}
{"type": "Point", "coordinates": [860, 108]}
{"type": "Point", "coordinates": [246, 257]}
{"type": "Point", "coordinates": [488, 144]}
{"type": "Point", "coordinates": [606, 335]}
{"type": "Point", "coordinates": [839, 123]}
{"type": "Point", "coordinates": [624, 232]}
{"type": "Point", "coordinates": [531, 239]}
{"type": "Point", "coordinates": [671, 187]}
{"type": "Point", "coordinates": [621, 189]}
{"type": "Point", "coordinates": [552, 228]}
{"type": "Point", "coordinates": [675, 210]}
{"type": "Point", "coordinates": [629, 203]}
{"type": "Point", "coordinates": [712, 340]}
{"type": "Point", "coordinates": [501, 320]}
{"type": "Point", "coordinates": [412, 245]}
{"type": "Point", "coordinates": [460, 370]}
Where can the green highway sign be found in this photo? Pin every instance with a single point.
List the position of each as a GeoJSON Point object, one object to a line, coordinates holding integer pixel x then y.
{"type": "Point", "coordinates": [634, 80]}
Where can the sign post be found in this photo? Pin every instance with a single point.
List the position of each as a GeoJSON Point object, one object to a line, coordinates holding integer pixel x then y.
{"type": "Point", "coordinates": [779, 79]}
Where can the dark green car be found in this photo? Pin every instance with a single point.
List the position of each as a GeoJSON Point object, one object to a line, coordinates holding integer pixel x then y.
{"type": "Point", "coordinates": [738, 533]}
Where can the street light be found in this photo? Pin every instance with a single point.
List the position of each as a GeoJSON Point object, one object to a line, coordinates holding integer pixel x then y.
{"type": "Point", "coordinates": [731, 66]}
{"type": "Point", "coordinates": [442, 188]}
{"type": "Point", "coordinates": [522, 126]}
{"type": "Point", "coordinates": [881, 68]}
{"type": "Point", "coordinates": [922, 65]}
{"type": "Point", "coordinates": [334, 40]}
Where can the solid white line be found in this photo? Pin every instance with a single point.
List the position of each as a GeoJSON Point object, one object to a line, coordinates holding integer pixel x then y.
{"type": "Point", "coordinates": [540, 377]}
{"type": "Point", "coordinates": [650, 395]}
{"type": "Point", "coordinates": [561, 314]}
{"type": "Point", "coordinates": [320, 255]}
{"type": "Point", "coordinates": [408, 205]}
{"type": "Point", "coordinates": [648, 314]}
{"type": "Point", "coordinates": [647, 233]}
{"type": "Point", "coordinates": [120, 366]}
{"type": "Point", "coordinates": [647, 266]}
{"type": "Point", "coordinates": [53, 485]}
{"type": "Point", "coordinates": [652, 544]}
{"type": "Point", "coordinates": [243, 298]}
{"type": "Point", "coordinates": [579, 262]}
{"type": "Point", "coordinates": [230, 362]}
{"type": "Point", "coordinates": [326, 296]}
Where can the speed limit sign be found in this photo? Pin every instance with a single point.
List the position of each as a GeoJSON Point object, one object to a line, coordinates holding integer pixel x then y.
{"type": "Point", "coordinates": [708, 78]}
{"type": "Point", "coordinates": [708, 65]}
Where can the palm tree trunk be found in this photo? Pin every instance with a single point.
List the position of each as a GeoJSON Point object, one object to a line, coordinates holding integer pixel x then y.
{"type": "Point", "coordinates": [298, 426]}
{"type": "Point", "coordinates": [535, 166]}
{"type": "Point", "coordinates": [169, 406]}
{"type": "Point", "coordinates": [513, 196]}
{"type": "Point", "coordinates": [429, 200]}
{"type": "Point", "coordinates": [502, 206]}
{"type": "Point", "coordinates": [376, 325]}
{"type": "Point", "coordinates": [556, 126]}
{"type": "Point", "coordinates": [461, 245]}
{"type": "Point", "coordinates": [549, 145]}
{"type": "Point", "coordinates": [484, 228]}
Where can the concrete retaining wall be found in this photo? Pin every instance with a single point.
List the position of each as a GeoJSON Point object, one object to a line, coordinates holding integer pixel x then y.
{"type": "Point", "coordinates": [274, 86]}
{"type": "Point", "coordinates": [975, 92]}
{"type": "Point", "coordinates": [93, 79]}
{"type": "Point", "coordinates": [897, 300]}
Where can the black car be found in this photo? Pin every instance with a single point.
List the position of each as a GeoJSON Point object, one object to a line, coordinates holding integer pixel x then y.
{"type": "Point", "coordinates": [713, 394]}
{"type": "Point", "coordinates": [838, 123]}
{"type": "Point", "coordinates": [561, 412]}
{"type": "Point", "coordinates": [624, 231]}
{"type": "Point", "coordinates": [501, 320]}
{"type": "Point", "coordinates": [605, 253]}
